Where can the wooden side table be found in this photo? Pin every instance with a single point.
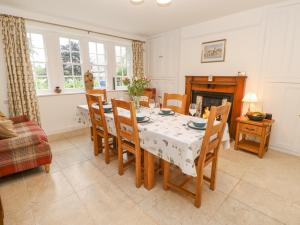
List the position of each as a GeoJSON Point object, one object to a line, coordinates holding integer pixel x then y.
{"type": "Point", "coordinates": [248, 128]}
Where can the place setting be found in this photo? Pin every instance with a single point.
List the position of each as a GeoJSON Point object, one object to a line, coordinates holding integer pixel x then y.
{"type": "Point", "coordinates": [196, 123]}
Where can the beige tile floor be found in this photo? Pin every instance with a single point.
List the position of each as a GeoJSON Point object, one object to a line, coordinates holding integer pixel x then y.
{"type": "Point", "coordinates": [82, 190]}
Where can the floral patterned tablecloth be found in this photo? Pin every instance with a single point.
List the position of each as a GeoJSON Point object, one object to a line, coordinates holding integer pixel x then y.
{"type": "Point", "coordinates": [167, 137]}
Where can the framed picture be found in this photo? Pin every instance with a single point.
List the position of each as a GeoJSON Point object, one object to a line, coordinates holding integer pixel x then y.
{"type": "Point", "coordinates": [213, 51]}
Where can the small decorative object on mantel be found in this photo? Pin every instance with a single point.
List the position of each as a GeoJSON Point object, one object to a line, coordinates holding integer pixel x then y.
{"type": "Point", "coordinates": [136, 88]}
{"type": "Point", "coordinates": [213, 51]}
{"type": "Point", "coordinates": [57, 90]}
{"type": "Point", "coordinates": [88, 80]}
{"type": "Point", "coordinates": [241, 73]}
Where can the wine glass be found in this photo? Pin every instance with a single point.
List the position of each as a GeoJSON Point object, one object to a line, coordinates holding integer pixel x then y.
{"type": "Point", "coordinates": [151, 105]}
{"type": "Point", "coordinates": [192, 109]}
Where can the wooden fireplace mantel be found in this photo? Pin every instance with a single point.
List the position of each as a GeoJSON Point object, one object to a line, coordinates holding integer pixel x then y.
{"type": "Point", "coordinates": [234, 85]}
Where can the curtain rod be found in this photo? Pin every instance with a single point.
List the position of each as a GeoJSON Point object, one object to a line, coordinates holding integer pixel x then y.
{"type": "Point", "coordinates": [81, 29]}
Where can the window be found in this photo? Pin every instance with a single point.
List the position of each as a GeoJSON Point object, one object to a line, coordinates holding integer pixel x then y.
{"type": "Point", "coordinates": [98, 63]}
{"type": "Point", "coordinates": [123, 66]}
{"type": "Point", "coordinates": [70, 55]}
{"type": "Point", "coordinates": [38, 61]}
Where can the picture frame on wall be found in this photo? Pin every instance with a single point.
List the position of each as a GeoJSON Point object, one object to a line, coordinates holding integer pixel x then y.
{"type": "Point", "coordinates": [213, 51]}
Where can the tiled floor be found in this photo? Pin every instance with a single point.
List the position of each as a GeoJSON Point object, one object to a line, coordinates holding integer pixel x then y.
{"type": "Point", "coordinates": [82, 190]}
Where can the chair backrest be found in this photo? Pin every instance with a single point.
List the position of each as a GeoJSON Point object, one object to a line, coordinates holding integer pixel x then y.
{"type": "Point", "coordinates": [145, 98]}
{"type": "Point", "coordinates": [96, 111]}
{"type": "Point", "coordinates": [126, 125]}
{"type": "Point", "coordinates": [214, 131]}
{"type": "Point", "coordinates": [98, 92]}
{"type": "Point", "coordinates": [175, 97]}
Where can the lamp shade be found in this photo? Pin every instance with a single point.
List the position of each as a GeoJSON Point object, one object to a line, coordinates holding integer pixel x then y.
{"type": "Point", "coordinates": [250, 97]}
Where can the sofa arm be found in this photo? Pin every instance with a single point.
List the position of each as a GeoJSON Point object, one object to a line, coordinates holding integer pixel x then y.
{"type": "Point", "coordinates": [19, 119]}
{"type": "Point", "coordinates": [21, 141]}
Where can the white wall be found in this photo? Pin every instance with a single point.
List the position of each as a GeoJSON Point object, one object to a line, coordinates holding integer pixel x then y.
{"type": "Point", "coordinates": [264, 43]}
{"type": "Point", "coordinates": [58, 112]}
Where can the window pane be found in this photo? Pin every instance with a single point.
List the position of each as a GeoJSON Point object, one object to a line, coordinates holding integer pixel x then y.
{"type": "Point", "coordinates": [117, 51]}
{"type": "Point", "coordinates": [123, 52]}
{"type": "Point", "coordinates": [38, 55]}
{"type": "Point", "coordinates": [67, 69]}
{"type": "Point", "coordinates": [64, 44]}
{"type": "Point", "coordinates": [69, 82]}
{"type": "Point", "coordinates": [78, 82]}
{"type": "Point", "coordinates": [93, 59]}
{"type": "Point", "coordinates": [100, 48]}
{"type": "Point", "coordinates": [65, 57]}
{"type": "Point", "coordinates": [41, 83]}
{"type": "Point", "coordinates": [39, 69]}
{"type": "Point", "coordinates": [77, 70]}
{"type": "Point", "coordinates": [37, 41]}
{"type": "Point", "coordinates": [92, 47]}
{"type": "Point", "coordinates": [38, 60]}
{"type": "Point", "coordinates": [100, 60]}
{"type": "Point", "coordinates": [75, 57]}
{"type": "Point", "coordinates": [74, 45]}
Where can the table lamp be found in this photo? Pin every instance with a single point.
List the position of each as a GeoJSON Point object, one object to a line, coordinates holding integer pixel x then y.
{"type": "Point", "coordinates": [250, 98]}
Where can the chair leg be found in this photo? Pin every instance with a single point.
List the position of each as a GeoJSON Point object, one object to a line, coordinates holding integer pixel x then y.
{"type": "Point", "coordinates": [212, 185]}
{"type": "Point", "coordinates": [106, 145]}
{"type": "Point", "coordinates": [47, 168]}
{"type": "Point", "coordinates": [198, 197]}
{"type": "Point", "coordinates": [96, 145]}
{"type": "Point", "coordinates": [138, 169]}
{"type": "Point", "coordinates": [120, 159]}
{"type": "Point", "coordinates": [100, 143]}
{"type": "Point", "coordinates": [166, 174]}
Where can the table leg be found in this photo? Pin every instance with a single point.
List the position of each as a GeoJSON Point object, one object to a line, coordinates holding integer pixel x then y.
{"type": "Point", "coordinates": [148, 170]}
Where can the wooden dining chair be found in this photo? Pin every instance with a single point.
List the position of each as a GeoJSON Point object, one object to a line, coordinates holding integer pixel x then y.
{"type": "Point", "coordinates": [98, 92]}
{"type": "Point", "coordinates": [128, 137]}
{"type": "Point", "coordinates": [99, 126]}
{"type": "Point", "coordinates": [145, 98]}
{"type": "Point", "coordinates": [175, 97]}
{"type": "Point", "coordinates": [208, 155]}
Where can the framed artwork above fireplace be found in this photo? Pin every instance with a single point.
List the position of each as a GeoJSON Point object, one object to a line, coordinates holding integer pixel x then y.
{"type": "Point", "coordinates": [213, 51]}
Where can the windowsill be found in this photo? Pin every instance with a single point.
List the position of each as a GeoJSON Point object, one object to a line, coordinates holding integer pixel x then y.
{"type": "Point", "coordinates": [71, 93]}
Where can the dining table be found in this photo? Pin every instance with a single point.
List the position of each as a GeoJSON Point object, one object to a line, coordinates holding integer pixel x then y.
{"type": "Point", "coordinates": [168, 137]}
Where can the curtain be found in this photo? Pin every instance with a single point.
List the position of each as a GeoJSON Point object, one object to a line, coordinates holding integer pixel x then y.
{"type": "Point", "coordinates": [22, 98]}
{"type": "Point", "coordinates": [138, 59]}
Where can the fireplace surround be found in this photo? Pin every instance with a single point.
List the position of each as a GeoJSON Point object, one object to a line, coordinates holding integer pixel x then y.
{"type": "Point", "coordinates": [214, 90]}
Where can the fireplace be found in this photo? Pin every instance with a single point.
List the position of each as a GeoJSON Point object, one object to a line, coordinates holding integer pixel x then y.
{"type": "Point", "coordinates": [207, 99]}
{"type": "Point", "coordinates": [213, 91]}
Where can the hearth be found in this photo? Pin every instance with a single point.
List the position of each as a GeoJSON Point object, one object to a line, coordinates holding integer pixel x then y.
{"type": "Point", "coordinates": [207, 99]}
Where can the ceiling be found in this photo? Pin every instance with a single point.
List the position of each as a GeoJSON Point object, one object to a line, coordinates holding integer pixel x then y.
{"type": "Point", "coordinates": [144, 19]}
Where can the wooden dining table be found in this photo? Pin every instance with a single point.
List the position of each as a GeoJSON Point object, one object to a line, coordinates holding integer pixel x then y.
{"type": "Point", "coordinates": [167, 137]}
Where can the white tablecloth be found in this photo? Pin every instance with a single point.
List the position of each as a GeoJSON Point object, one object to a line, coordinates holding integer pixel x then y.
{"type": "Point", "coordinates": [167, 137]}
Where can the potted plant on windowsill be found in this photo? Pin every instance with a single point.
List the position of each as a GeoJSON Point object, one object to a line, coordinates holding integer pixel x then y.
{"type": "Point", "coordinates": [136, 88]}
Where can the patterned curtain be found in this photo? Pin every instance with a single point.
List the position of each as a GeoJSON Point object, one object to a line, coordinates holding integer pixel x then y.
{"type": "Point", "coordinates": [22, 98]}
{"type": "Point", "coordinates": [138, 59]}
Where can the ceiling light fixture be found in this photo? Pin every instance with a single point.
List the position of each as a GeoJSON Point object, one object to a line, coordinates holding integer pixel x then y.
{"type": "Point", "coordinates": [163, 2]}
{"type": "Point", "coordinates": [159, 2]}
{"type": "Point", "coordinates": [136, 1]}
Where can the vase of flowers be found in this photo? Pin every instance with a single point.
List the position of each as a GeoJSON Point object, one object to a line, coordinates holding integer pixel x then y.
{"type": "Point", "coordinates": [136, 88]}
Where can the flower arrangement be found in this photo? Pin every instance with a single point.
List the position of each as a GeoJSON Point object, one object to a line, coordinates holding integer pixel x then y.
{"type": "Point", "coordinates": [136, 85]}
{"type": "Point", "coordinates": [136, 88]}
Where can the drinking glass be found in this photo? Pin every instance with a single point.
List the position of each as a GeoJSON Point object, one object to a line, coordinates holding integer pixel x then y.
{"type": "Point", "coordinates": [151, 105]}
{"type": "Point", "coordinates": [192, 109]}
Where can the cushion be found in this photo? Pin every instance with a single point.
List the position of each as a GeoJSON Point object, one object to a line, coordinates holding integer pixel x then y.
{"type": "Point", "coordinates": [2, 115]}
{"type": "Point", "coordinates": [7, 129]}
